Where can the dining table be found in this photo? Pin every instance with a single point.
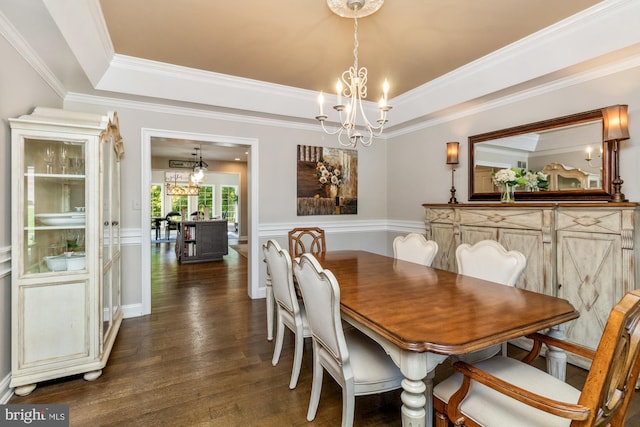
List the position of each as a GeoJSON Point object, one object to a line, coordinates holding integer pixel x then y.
{"type": "Point", "coordinates": [422, 315]}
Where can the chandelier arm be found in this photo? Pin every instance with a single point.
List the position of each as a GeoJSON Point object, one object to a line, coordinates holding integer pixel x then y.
{"type": "Point", "coordinates": [330, 132]}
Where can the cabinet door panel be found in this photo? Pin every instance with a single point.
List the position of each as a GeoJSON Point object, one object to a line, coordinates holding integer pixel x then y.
{"type": "Point", "coordinates": [443, 235]}
{"type": "Point", "coordinates": [51, 312]}
{"type": "Point", "coordinates": [537, 274]}
{"type": "Point", "coordinates": [587, 262]}
{"type": "Point", "coordinates": [473, 235]}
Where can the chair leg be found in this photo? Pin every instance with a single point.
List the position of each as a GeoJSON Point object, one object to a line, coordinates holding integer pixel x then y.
{"type": "Point", "coordinates": [348, 404]}
{"type": "Point", "coordinates": [269, 309]}
{"type": "Point", "coordinates": [441, 420]}
{"type": "Point", "coordinates": [297, 358]}
{"type": "Point", "coordinates": [279, 340]}
{"type": "Point", "coordinates": [316, 386]}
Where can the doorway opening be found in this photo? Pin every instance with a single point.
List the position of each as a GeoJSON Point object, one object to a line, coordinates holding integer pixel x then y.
{"type": "Point", "coordinates": [245, 197]}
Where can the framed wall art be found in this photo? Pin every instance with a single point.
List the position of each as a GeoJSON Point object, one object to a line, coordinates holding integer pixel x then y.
{"type": "Point", "coordinates": [327, 181]}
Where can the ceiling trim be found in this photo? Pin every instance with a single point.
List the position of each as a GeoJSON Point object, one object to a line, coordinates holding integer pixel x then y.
{"type": "Point", "coordinates": [85, 30]}
{"type": "Point", "coordinates": [15, 39]}
{"type": "Point", "coordinates": [557, 84]}
{"type": "Point", "coordinates": [603, 28]}
{"type": "Point", "coordinates": [606, 27]}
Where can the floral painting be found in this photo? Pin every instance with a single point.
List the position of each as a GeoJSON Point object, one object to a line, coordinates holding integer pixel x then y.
{"type": "Point", "coordinates": [327, 181]}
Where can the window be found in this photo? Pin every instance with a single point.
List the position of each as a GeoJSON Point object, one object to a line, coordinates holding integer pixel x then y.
{"type": "Point", "coordinates": [205, 199]}
{"type": "Point", "coordinates": [156, 200]}
{"type": "Point", "coordinates": [229, 203]}
{"type": "Point", "coordinates": [178, 203]}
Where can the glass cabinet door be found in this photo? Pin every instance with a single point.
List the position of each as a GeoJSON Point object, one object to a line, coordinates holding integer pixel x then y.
{"type": "Point", "coordinates": [115, 220]}
{"type": "Point", "coordinates": [53, 210]}
{"type": "Point", "coordinates": [107, 243]}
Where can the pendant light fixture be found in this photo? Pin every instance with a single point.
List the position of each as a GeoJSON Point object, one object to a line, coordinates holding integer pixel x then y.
{"type": "Point", "coordinates": [353, 85]}
{"type": "Point", "coordinates": [199, 168]}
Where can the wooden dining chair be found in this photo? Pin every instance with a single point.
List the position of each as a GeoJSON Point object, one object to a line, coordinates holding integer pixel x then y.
{"type": "Point", "coordinates": [506, 392]}
{"type": "Point", "coordinates": [289, 311]}
{"type": "Point", "coordinates": [358, 364]}
{"type": "Point", "coordinates": [306, 240]}
{"type": "Point", "coordinates": [489, 260]}
{"type": "Point", "coordinates": [415, 248]}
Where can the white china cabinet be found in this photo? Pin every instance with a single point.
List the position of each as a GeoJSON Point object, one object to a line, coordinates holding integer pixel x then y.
{"type": "Point", "coordinates": [66, 261]}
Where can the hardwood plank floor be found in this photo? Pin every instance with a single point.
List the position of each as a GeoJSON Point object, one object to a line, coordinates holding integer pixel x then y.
{"type": "Point", "coordinates": [202, 359]}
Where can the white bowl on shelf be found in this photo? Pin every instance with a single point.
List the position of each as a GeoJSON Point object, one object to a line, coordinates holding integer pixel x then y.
{"type": "Point", "coordinates": [75, 262]}
{"type": "Point", "coordinates": [68, 262]}
{"type": "Point", "coordinates": [66, 218]}
{"type": "Point", "coordinates": [56, 263]}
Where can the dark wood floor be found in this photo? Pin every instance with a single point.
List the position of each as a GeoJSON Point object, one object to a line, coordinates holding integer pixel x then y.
{"type": "Point", "coordinates": [202, 359]}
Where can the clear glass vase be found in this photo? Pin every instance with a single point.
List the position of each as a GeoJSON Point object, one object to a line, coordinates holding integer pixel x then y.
{"type": "Point", "coordinates": [508, 193]}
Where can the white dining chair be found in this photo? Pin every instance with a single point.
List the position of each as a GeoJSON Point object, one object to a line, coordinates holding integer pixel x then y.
{"type": "Point", "coordinates": [289, 312]}
{"type": "Point", "coordinates": [489, 260]}
{"type": "Point", "coordinates": [415, 248]}
{"type": "Point", "coordinates": [358, 364]}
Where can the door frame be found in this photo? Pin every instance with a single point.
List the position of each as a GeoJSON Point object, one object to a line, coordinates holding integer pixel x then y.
{"type": "Point", "coordinates": [145, 205]}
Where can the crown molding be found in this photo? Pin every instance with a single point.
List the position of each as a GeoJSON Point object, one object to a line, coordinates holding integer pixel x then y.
{"type": "Point", "coordinates": [83, 26]}
{"type": "Point", "coordinates": [15, 39]}
{"type": "Point", "coordinates": [607, 69]}
{"type": "Point", "coordinates": [606, 27]}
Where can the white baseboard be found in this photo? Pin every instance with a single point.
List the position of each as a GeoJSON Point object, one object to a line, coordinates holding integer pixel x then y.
{"type": "Point", "coordinates": [132, 310]}
{"type": "Point", "coordinates": [5, 391]}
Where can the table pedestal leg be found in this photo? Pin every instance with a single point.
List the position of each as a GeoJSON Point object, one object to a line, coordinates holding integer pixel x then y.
{"type": "Point", "coordinates": [417, 387]}
{"type": "Point", "coordinates": [556, 357]}
{"type": "Point", "coordinates": [413, 403]}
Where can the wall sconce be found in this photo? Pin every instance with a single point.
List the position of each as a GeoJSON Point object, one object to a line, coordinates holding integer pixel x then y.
{"type": "Point", "coordinates": [589, 156]}
{"type": "Point", "coordinates": [615, 130]}
{"type": "Point", "coordinates": [452, 159]}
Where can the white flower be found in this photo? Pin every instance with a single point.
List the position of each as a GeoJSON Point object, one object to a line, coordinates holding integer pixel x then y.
{"type": "Point", "coordinates": [504, 176]}
{"type": "Point", "coordinates": [328, 174]}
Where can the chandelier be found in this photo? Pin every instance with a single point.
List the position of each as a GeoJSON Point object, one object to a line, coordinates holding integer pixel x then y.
{"type": "Point", "coordinates": [175, 189]}
{"type": "Point", "coordinates": [353, 86]}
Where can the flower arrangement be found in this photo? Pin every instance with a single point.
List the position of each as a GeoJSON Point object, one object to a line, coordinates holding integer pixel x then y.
{"type": "Point", "coordinates": [515, 177]}
{"type": "Point", "coordinates": [537, 180]}
{"type": "Point", "coordinates": [510, 176]}
{"type": "Point", "coordinates": [328, 174]}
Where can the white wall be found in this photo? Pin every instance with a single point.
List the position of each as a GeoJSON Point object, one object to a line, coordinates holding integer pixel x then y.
{"type": "Point", "coordinates": [21, 89]}
{"type": "Point", "coordinates": [416, 162]}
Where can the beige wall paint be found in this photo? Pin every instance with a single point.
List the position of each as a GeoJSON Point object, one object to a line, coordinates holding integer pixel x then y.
{"type": "Point", "coordinates": [22, 89]}
{"type": "Point", "coordinates": [416, 162]}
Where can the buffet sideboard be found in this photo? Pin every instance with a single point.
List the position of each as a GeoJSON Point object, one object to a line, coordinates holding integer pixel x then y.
{"type": "Point", "coordinates": [583, 252]}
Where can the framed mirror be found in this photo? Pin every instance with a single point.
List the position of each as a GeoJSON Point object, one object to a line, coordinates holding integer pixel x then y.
{"type": "Point", "coordinates": [568, 150]}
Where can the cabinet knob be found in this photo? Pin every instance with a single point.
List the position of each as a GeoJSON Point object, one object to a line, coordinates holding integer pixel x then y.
{"type": "Point", "coordinates": [106, 223]}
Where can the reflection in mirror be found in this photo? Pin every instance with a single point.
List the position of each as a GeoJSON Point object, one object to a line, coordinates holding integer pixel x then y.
{"type": "Point", "coordinates": [569, 150]}
{"type": "Point", "coordinates": [571, 155]}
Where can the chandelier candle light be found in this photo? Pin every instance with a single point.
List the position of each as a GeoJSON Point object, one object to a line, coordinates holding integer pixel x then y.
{"type": "Point", "coordinates": [353, 85]}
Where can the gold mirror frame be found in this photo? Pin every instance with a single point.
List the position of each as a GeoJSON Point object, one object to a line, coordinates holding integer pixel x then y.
{"type": "Point", "coordinates": [602, 194]}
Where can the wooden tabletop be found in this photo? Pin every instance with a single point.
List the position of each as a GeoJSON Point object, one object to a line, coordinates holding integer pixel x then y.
{"type": "Point", "coordinates": [421, 309]}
